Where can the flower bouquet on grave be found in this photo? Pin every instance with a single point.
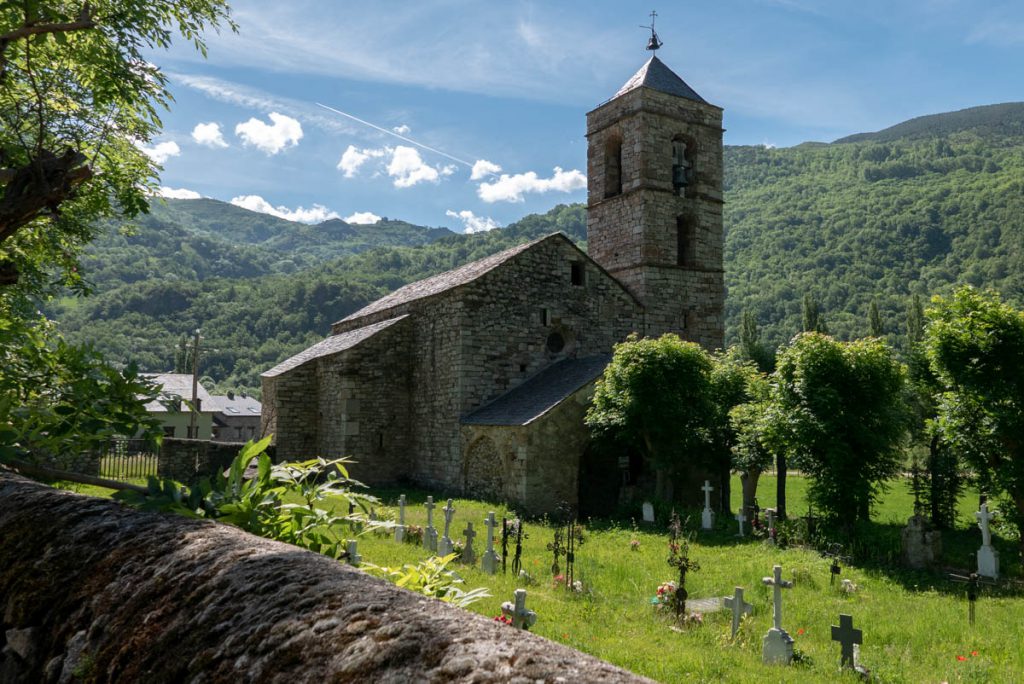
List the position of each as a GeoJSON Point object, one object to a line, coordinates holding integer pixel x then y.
{"type": "Point", "coordinates": [413, 535]}
{"type": "Point", "coordinates": [665, 596]}
{"type": "Point", "coordinates": [503, 619]}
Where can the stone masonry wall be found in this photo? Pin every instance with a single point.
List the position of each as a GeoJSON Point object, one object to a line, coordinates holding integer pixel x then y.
{"type": "Point", "coordinates": [364, 405]}
{"type": "Point", "coordinates": [186, 459]}
{"type": "Point", "coordinates": [93, 591]}
{"type": "Point", "coordinates": [634, 234]}
{"type": "Point", "coordinates": [291, 412]}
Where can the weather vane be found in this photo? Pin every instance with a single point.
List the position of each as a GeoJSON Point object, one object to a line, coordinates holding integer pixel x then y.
{"type": "Point", "coordinates": [654, 43]}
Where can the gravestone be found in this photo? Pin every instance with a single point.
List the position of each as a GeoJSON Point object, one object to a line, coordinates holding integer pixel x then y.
{"type": "Point", "coordinates": [847, 636]}
{"type": "Point", "coordinates": [521, 618]}
{"type": "Point", "coordinates": [489, 561]}
{"type": "Point", "coordinates": [921, 545]}
{"type": "Point", "coordinates": [777, 646]}
{"type": "Point", "coordinates": [430, 533]}
{"type": "Point", "coordinates": [740, 518]}
{"type": "Point", "coordinates": [400, 528]}
{"type": "Point", "coordinates": [988, 557]}
{"type": "Point", "coordinates": [707, 516]}
{"type": "Point", "coordinates": [648, 512]}
{"type": "Point", "coordinates": [445, 546]}
{"type": "Point", "coordinates": [352, 553]}
{"type": "Point", "coordinates": [468, 553]}
{"type": "Point", "coordinates": [770, 514]}
{"type": "Point", "coordinates": [739, 608]}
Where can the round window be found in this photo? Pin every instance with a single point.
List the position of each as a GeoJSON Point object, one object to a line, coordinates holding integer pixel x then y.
{"type": "Point", "coordinates": [556, 342]}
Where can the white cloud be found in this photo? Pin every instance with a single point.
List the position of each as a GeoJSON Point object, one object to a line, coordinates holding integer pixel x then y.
{"type": "Point", "coordinates": [177, 193]}
{"type": "Point", "coordinates": [161, 152]}
{"type": "Point", "coordinates": [407, 168]}
{"type": "Point", "coordinates": [402, 130]}
{"type": "Point", "coordinates": [353, 158]}
{"type": "Point", "coordinates": [472, 223]}
{"type": "Point", "coordinates": [512, 188]}
{"type": "Point", "coordinates": [483, 168]}
{"type": "Point", "coordinates": [315, 214]}
{"type": "Point", "coordinates": [209, 134]}
{"type": "Point", "coordinates": [362, 218]}
{"type": "Point", "coordinates": [283, 133]}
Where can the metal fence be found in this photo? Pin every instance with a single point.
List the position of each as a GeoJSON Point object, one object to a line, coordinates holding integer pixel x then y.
{"type": "Point", "coordinates": [129, 459]}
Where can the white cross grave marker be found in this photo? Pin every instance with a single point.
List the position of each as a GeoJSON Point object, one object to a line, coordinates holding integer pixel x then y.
{"type": "Point", "coordinates": [777, 644]}
{"type": "Point", "coordinates": [489, 561]}
{"type": "Point", "coordinates": [847, 636]}
{"type": "Point", "coordinates": [445, 547]}
{"type": "Point", "coordinates": [739, 608]}
{"type": "Point", "coordinates": [521, 618]}
{"type": "Point", "coordinates": [740, 518]}
{"type": "Point", "coordinates": [400, 528]}
{"type": "Point", "coordinates": [430, 534]}
{"type": "Point", "coordinates": [468, 554]}
{"type": "Point", "coordinates": [988, 557]}
{"type": "Point", "coordinates": [707, 517]}
{"type": "Point", "coordinates": [353, 554]}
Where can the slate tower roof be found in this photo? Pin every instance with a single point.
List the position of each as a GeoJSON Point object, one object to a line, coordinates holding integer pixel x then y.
{"type": "Point", "coordinates": [655, 75]}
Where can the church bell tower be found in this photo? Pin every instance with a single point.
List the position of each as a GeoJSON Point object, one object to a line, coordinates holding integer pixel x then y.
{"type": "Point", "coordinates": [654, 201]}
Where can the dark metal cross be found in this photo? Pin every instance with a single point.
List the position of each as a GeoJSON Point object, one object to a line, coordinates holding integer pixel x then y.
{"type": "Point", "coordinates": [847, 636]}
{"type": "Point", "coordinates": [517, 560]}
{"type": "Point", "coordinates": [654, 43]}
{"type": "Point", "coordinates": [973, 582]}
{"type": "Point", "coordinates": [835, 552]}
{"type": "Point", "coordinates": [504, 545]}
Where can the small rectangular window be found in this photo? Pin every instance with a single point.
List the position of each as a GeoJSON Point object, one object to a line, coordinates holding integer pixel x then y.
{"type": "Point", "coordinates": [168, 431]}
{"type": "Point", "coordinates": [577, 273]}
{"type": "Point", "coordinates": [544, 320]}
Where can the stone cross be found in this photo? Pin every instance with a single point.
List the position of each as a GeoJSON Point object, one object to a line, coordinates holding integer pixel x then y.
{"type": "Point", "coordinates": [430, 534]}
{"type": "Point", "coordinates": [847, 636]}
{"type": "Point", "coordinates": [770, 513]}
{"type": "Point", "coordinates": [489, 561]}
{"type": "Point", "coordinates": [739, 608]}
{"type": "Point", "coordinates": [353, 555]}
{"type": "Point", "coordinates": [740, 518]}
{"type": "Point", "coordinates": [445, 547]}
{"type": "Point", "coordinates": [468, 554]}
{"type": "Point", "coordinates": [707, 516]}
{"type": "Point", "coordinates": [400, 528]}
{"type": "Point", "coordinates": [988, 557]}
{"type": "Point", "coordinates": [521, 618]}
{"type": "Point", "coordinates": [777, 644]}
{"type": "Point", "coordinates": [648, 511]}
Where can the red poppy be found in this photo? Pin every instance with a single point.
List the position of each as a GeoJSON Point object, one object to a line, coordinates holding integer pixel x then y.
{"type": "Point", "coordinates": [800, 631]}
{"type": "Point", "coordinates": [974, 653]}
{"type": "Point", "coordinates": [961, 658]}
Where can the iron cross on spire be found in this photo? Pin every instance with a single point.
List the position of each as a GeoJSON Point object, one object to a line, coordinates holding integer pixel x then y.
{"type": "Point", "coordinates": [654, 43]}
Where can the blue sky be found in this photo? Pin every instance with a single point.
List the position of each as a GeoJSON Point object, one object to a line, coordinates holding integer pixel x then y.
{"type": "Point", "coordinates": [489, 98]}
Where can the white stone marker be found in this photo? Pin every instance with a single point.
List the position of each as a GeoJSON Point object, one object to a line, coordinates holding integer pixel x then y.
{"type": "Point", "coordinates": [777, 645]}
{"type": "Point", "coordinates": [740, 518]}
{"type": "Point", "coordinates": [429, 533]}
{"type": "Point", "coordinates": [468, 554]}
{"type": "Point", "coordinates": [353, 555]}
{"type": "Point", "coordinates": [988, 557]}
{"type": "Point", "coordinates": [521, 618]}
{"type": "Point", "coordinates": [739, 608]}
{"type": "Point", "coordinates": [770, 513]}
{"type": "Point", "coordinates": [489, 561]}
{"type": "Point", "coordinates": [707, 516]}
{"type": "Point", "coordinates": [648, 511]}
{"type": "Point", "coordinates": [445, 547]}
{"type": "Point", "coordinates": [400, 528]}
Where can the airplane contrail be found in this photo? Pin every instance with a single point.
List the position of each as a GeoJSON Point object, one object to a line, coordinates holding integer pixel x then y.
{"type": "Point", "coordinates": [396, 135]}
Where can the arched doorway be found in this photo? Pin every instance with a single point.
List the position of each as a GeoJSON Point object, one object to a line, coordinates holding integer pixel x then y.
{"type": "Point", "coordinates": [600, 482]}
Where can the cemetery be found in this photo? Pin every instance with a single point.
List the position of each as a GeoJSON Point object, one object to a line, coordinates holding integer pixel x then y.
{"type": "Point", "coordinates": [756, 610]}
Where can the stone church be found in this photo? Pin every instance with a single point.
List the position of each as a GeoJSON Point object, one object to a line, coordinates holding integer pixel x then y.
{"type": "Point", "coordinates": [477, 380]}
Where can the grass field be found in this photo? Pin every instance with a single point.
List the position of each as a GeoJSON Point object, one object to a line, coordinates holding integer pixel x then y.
{"type": "Point", "coordinates": [915, 623]}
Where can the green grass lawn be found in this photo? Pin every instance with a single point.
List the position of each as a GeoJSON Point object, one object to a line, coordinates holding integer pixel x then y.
{"type": "Point", "coordinates": [915, 623]}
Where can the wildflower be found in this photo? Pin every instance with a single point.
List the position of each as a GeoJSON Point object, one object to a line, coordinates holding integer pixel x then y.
{"type": "Point", "coordinates": [961, 658]}
{"type": "Point", "coordinates": [974, 653]}
{"type": "Point", "coordinates": [503, 619]}
{"type": "Point", "coordinates": [800, 631]}
{"type": "Point", "coordinates": [634, 545]}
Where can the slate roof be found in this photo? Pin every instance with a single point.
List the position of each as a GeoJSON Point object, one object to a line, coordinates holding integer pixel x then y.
{"type": "Point", "coordinates": [331, 345]}
{"type": "Point", "coordinates": [443, 281]}
{"type": "Point", "coordinates": [176, 385]}
{"type": "Point", "coordinates": [541, 393]}
{"type": "Point", "coordinates": [234, 405]}
{"type": "Point", "coordinates": [655, 75]}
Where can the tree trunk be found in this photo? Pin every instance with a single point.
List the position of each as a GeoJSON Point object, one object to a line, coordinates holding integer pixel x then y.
{"type": "Point", "coordinates": [663, 485]}
{"type": "Point", "coordinates": [725, 493]}
{"type": "Point", "coordinates": [780, 486]}
{"type": "Point", "coordinates": [748, 481]}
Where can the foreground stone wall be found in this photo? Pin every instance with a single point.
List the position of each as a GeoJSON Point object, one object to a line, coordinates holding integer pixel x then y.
{"type": "Point", "coordinates": [186, 459]}
{"type": "Point", "coordinates": [92, 591]}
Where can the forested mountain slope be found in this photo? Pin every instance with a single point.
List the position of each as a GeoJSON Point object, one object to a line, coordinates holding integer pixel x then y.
{"type": "Point", "coordinates": [918, 207]}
